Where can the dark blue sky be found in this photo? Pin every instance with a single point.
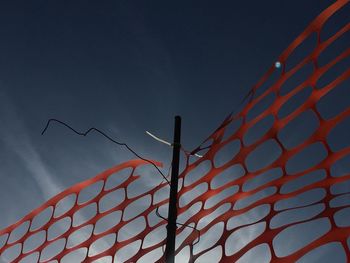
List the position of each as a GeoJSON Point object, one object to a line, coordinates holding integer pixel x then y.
{"type": "Point", "coordinates": [135, 64]}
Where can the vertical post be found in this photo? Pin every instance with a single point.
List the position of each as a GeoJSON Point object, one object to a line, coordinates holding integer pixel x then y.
{"type": "Point", "coordinates": [172, 213]}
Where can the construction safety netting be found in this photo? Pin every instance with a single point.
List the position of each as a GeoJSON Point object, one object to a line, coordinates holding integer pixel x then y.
{"type": "Point", "coordinates": [273, 182]}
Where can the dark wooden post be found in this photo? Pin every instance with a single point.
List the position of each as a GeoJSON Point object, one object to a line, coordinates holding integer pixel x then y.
{"type": "Point", "coordinates": [172, 213]}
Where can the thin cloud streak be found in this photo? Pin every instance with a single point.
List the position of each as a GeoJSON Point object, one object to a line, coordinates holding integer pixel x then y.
{"type": "Point", "coordinates": [15, 137]}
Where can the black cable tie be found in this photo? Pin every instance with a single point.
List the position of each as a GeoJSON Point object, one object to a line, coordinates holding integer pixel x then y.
{"type": "Point", "coordinates": [186, 225]}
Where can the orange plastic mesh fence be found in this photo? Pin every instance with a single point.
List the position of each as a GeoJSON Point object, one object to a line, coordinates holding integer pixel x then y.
{"type": "Point", "coordinates": [266, 171]}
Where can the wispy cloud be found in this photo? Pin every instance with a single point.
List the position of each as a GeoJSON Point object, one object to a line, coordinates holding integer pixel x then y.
{"type": "Point", "coordinates": [14, 135]}
{"type": "Point", "coordinates": [16, 138]}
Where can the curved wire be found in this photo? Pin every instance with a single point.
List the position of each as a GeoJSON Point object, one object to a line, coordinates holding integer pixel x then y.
{"type": "Point", "coordinates": [106, 136]}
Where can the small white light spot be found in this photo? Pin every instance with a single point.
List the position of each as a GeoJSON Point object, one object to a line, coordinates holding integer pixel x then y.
{"type": "Point", "coordinates": [278, 64]}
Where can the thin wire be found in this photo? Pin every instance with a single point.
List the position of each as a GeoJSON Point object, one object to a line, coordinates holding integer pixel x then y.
{"type": "Point", "coordinates": [249, 96]}
{"type": "Point", "coordinates": [109, 138]}
{"type": "Point", "coordinates": [167, 176]}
